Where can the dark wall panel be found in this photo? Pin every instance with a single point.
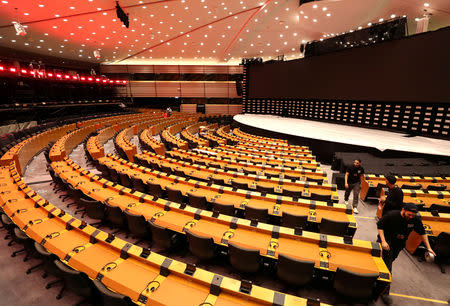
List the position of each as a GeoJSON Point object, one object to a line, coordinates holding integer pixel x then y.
{"type": "Point", "coordinates": [413, 69]}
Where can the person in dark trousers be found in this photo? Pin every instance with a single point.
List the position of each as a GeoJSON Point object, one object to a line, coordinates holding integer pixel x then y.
{"type": "Point", "coordinates": [353, 182]}
{"type": "Point", "coordinates": [394, 199]}
{"type": "Point", "coordinates": [393, 231]}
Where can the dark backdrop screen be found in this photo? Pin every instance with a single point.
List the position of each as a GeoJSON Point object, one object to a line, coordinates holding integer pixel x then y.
{"type": "Point", "coordinates": [413, 69]}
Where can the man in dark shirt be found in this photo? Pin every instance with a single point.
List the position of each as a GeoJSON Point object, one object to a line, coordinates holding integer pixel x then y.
{"type": "Point", "coordinates": [393, 231]}
{"type": "Point", "coordinates": [353, 182]}
{"type": "Point", "coordinates": [394, 199]}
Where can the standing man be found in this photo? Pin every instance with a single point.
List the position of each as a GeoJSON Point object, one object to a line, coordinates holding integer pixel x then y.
{"type": "Point", "coordinates": [353, 182]}
{"type": "Point", "coordinates": [394, 199]}
{"type": "Point", "coordinates": [393, 231]}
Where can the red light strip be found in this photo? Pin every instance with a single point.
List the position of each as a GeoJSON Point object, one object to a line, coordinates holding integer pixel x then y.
{"type": "Point", "coordinates": [62, 76]}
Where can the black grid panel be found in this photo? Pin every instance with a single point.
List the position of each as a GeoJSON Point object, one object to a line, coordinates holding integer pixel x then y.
{"type": "Point", "coordinates": [412, 118]}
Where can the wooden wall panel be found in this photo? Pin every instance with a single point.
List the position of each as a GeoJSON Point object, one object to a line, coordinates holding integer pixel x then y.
{"type": "Point", "coordinates": [188, 108]}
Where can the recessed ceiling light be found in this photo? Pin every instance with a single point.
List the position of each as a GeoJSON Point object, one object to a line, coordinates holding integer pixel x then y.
{"type": "Point", "coordinates": [426, 4]}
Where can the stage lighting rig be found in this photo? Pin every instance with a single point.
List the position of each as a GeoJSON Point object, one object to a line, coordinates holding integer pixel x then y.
{"type": "Point", "coordinates": [122, 16]}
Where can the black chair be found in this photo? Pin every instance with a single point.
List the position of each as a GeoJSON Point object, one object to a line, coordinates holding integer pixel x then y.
{"type": "Point", "coordinates": [201, 247]}
{"type": "Point", "coordinates": [113, 175]}
{"type": "Point", "coordinates": [264, 189]}
{"type": "Point", "coordinates": [357, 286]}
{"type": "Point", "coordinates": [138, 184]}
{"type": "Point", "coordinates": [320, 197]}
{"type": "Point", "coordinates": [115, 216]}
{"type": "Point", "coordinates": [9, 226]}
{"type": "Point", "coordinates": [111, 298]}
{"type": "Point", "coordinates": [294, 271]}
{"type": "Point", "coordinates": [138, 226]}
{"type": "Point", "coordinates": [174, 195]}
{"type": "Point", "coordinates": [163, 237]}
{"type": "Point", "coordinates": [154, 189]}
{"type": "Point", "coordinates": [166, 169]}
{"type": "Point", "coordinates": [218, 181]}
{"type": "Point", "coordinates": [258, 214]}
{"type": "Point", "coordinates": [292, 193]}
{"type": "Point", "coordinates": [50, 267]}
{"type": "Point", "coordinates": [179, 172]}
{"type": "Point", "coordinates": [197, 201]}
{"type": "Point", "coordinates": [249, 171]}
{"type": "Point", "coordinates": [291, 177]}
{"type": "Point", "coordinates": [331, 227]}
{"type": "Point", "coordinates": [243, 259]}
{"type": "Point", "coordinates": [440, 208]}
{"type": "Point", "coordinates": [104, 171]}
{"type": "Point", "coordinates": [310, 179]}
{"type": "Point", "coordinates": [224, 209]}
{"type": "Point", "coordinates": [442, 249]}
{"type": "Point", "coordinates": [239, 185]}
{"type": "Point", "coordinates": [293, 220]}
{"type": "Point", "coordinates": [94, 210]}
{"type": "Point", "coordinates": [21, 238]}
{"type": "Point", "coordinates": [77, 282]}
{"type": "Point", "coordinates": [439, 187]}
{"type": "Point", "coordinates": [412, 186]}
{"type": "Point", "coordinates": [124, 180]}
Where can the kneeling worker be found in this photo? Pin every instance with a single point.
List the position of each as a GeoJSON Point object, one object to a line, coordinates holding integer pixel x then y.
{"type": "Point", "coordinates": [393, 231]}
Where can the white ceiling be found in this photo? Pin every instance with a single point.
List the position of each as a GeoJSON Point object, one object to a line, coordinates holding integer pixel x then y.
{"type": "Point", "coordinates": [194, 31]}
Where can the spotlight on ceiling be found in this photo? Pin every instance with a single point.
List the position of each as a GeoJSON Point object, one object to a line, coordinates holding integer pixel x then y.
{"type": "Point", "coordinates": [122, 16]}
{"type": "Point", "coordinates": [20, 29]}
{"type": "Point", "coordinates": [97, 54]}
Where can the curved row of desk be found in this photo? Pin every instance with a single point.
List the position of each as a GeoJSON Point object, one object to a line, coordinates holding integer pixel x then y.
{"type": "Point", "coordinates": [144, 276]}
{"type": "Point", "coordinates": [177, 217]}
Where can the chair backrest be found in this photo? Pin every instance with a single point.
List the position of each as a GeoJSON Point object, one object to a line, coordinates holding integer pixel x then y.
{"type": "Point", "coordinates": [113, 174]}
{"type": "Point", "coordinates": [264, 189]}
{"type": "Point", "coordinates": [154, 189]}
{"type": "Point", "coordinates": [104, 170]}
{"type": "Point", "coordinates": [137, 225]}
{"type": "Point", "coordinates": [138, 184]}
{"type": "Point", "coordinates": [115, 215]}
{"type": "Point", "coordinates": [75, 281]}
{"type": "Point", "coordinates": [174, 195]}
{"type": "Point", "coordinates": [239, 185]}
{"type": "Point", "coordinates": [250, 171]}
{"type": "Point", "coordinates": [320, 197]}
{"type": "Point", "coordinates": [354, 285]}
{"type": "Point", "coordinates": [243, 259]}
{"type": "Point", "coordinates": [124, 180]}
{"type": "Point", "coordinates": [160, 236]}
{"type": "Point", "coordinates": [201, 247]}
{"type": "Point", "coordinates": [440, 208]}
{"type": "Point", "coordinates": [412, 186]}
{"type": "Point", "coordinates": [442, 246]}
{"type": "Point", "coordinates": [166, 169]}
{"type": "Point", "coordinates": [218, 181]}
{"type": "Point", "coordinates": [292, 193]}
{"type": "Point", "coordinates": [179, 172]}
{"type": "Point", "coordinates": [111, 298]}
{"type": "Point", "coordinates": [294, 271]}
{"type": "Point", "coordinates": [258, 214]}
{"type": "Point", "coordinates": [292, 220]}
{"type": "Point", "coordinates": [197, 201]}
{"type": "Point", "coordinates": [224, 209]}
{"type": "Point", "coordinates": [439, 187]}
{"type": "Point", "coordinates": [331, 227]}
{"type": "Point", "coordinates": [311, 179]}
{"type": "Point", "coordinates": [94, 209]}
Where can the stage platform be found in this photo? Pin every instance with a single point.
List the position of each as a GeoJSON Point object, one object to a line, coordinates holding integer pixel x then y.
{"type": "Point", "coordinates": [326, 138]}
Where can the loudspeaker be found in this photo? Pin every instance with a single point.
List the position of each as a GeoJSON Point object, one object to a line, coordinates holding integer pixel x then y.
{"type": "Point", "coordinates": [239, 87]}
